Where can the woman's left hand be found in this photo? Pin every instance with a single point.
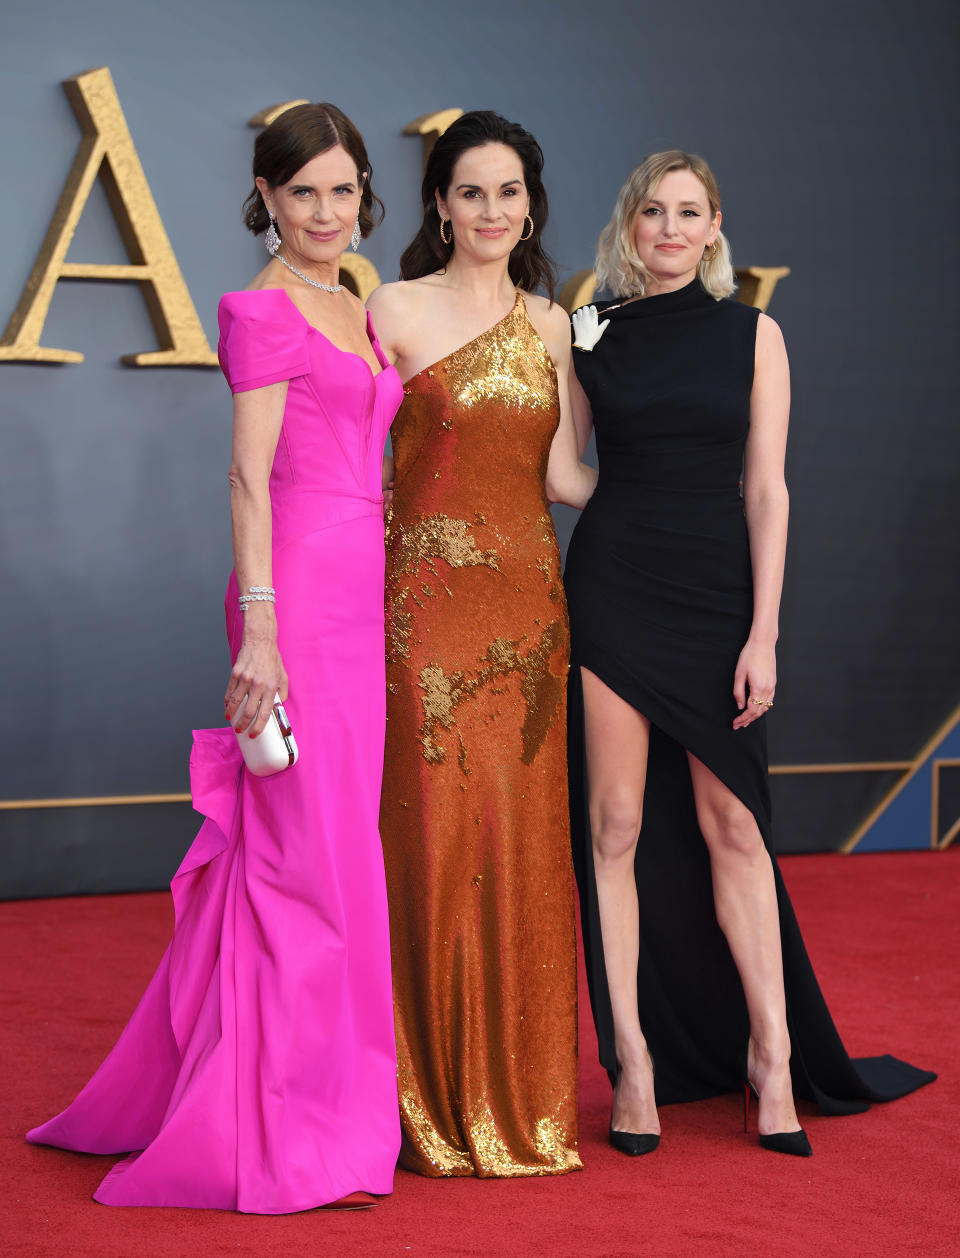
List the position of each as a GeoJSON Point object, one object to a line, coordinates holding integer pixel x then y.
{"type": "Point", "coordinates": [754, 682]}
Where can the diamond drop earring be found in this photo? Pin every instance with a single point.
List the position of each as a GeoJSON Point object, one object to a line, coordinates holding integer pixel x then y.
{"type": "Point", "coordinates": [355, 238]}
{"type": "Point", "coordinates": [272, 237]}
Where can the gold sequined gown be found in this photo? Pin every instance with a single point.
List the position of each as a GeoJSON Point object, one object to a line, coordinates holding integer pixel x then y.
{"type": "Point", "coordinates": [474, 814]}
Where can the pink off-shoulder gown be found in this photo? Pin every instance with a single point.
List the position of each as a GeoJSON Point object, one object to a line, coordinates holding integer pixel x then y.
{"type": "Point", "coordinates": [258, 1072]}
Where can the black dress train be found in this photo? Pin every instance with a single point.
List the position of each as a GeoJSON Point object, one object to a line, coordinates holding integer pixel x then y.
{"type": "Point", "coordinates": [659, 587]}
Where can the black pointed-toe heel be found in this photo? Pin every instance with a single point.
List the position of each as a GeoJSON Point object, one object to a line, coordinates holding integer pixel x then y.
{"type": "Point", "coordinates": [634, 1143]}
{"type": "Point", "coordinates": [793, 1142]}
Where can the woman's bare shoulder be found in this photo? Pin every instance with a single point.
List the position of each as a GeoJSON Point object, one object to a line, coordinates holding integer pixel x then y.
{"type": "Point", "coordinates": [402, 296]}
{"type": "Point", "coordinates": [544, 306]}
{"type": "Point", "coordinates": [551, 321]}
{"type": "Point", "coordinates": [770, 343]}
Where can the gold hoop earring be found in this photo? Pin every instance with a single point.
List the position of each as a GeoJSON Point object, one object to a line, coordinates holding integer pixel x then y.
{"type": "Point", "coordinates": [443, 222]}
{"type": "Point", "coordinates": [709, 257]}
{"type": "Point", "coordinates": [528, 219]}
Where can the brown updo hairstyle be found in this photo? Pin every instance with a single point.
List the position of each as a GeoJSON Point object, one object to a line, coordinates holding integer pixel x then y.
{"type": "Point", "coordinates": [295, 138]}
{"type": "Point", "coordinates": [530, 265]}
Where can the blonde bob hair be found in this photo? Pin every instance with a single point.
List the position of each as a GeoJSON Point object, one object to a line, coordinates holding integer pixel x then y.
{"type": "Point", "coordinates": [618, 266]}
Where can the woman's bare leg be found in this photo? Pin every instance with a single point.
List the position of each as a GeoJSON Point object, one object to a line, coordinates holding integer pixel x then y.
{"type": "Point", "coordinates": [745, 898]}
{"type": "Point", "coordinates": [617, 741]}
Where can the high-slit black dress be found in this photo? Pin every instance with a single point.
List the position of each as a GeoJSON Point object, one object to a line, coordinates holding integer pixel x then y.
{"type": "Point", "coordinates": [660, 594]}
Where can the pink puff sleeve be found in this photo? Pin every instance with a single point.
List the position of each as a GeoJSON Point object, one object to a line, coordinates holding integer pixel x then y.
{"type": "Point", "coordinates": [263, 339]}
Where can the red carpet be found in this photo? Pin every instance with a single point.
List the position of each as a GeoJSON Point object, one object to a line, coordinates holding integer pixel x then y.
{"type": "Point", "coordinates": [883, 933]}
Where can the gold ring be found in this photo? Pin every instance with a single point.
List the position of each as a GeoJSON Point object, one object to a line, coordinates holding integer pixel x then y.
{"type": "Point", "coordinates": [768, 704]}
{"type": "Point", "coordinates": [758, 702]}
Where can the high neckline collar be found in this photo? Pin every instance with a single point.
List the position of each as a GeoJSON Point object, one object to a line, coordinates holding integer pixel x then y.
{"type": "Point", "coordinates": [689, 297]}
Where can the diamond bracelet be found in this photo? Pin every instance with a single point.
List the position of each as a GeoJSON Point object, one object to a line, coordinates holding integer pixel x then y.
{"type": "Point", "coordinates": [257, 594]}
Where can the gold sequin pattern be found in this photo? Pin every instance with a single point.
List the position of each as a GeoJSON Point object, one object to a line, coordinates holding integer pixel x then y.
{"type": "Point", "coordinates": [474, 814]}
{"type": "Point", "coordinates": [429, 1143]}
{"type": "Point", "coordinates": [507, 375]}
{"type": "Point", "coordinates": [509, 367]}
{"type": "Point", "coordinates": [542, 693]}
{"type": "Point", "coordinates": [419, 546]}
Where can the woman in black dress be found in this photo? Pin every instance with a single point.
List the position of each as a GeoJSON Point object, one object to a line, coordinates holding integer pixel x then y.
{"type": "Point", "coordinates": [694, 957]}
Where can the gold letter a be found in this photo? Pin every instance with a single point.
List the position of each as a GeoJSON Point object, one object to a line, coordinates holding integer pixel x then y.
{"type": "Point", "coordinates": [107, 150]}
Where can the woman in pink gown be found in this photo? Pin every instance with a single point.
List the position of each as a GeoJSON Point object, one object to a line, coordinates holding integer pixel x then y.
{"type": "Point", "coordinates": [258, 1072]}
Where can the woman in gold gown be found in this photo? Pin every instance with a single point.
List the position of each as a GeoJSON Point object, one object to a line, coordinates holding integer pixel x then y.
{"type": "Point", "coordinates": [474, 813]}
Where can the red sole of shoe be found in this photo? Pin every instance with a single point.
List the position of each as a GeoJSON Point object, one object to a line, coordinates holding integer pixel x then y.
{"type": "Point", "coordinates": [352, 1201]}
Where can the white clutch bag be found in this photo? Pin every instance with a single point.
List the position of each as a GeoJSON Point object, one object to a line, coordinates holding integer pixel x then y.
{"type": "Point", "coordinates": [274, 749]}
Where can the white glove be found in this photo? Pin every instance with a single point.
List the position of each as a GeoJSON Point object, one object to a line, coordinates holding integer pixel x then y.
{"type": "Point", "coordinates": [586, 330]}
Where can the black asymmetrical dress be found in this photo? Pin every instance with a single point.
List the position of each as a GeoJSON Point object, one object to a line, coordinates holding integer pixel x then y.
{"type": "Point", "coordinates": [659, 587]}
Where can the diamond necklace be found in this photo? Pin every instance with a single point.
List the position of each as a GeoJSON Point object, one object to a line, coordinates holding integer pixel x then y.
{"type": "Point", "coordinates": [327, 288]}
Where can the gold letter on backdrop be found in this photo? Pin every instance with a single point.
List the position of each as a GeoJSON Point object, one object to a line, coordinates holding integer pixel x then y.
{"type": "Point", "coordinates": [431, 127]}
{"type": "Point", "coordinates": [266, 116]}
{"type": "Point", "coordinates": [578, 290]}
{"type": "Point", "coordinates": [107, 150]}
{"type": "Point", "coordinates": [757, 284]}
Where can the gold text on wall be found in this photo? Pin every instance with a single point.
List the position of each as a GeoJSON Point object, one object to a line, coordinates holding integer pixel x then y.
{"type": "Point", "coordinates": [107, 150]}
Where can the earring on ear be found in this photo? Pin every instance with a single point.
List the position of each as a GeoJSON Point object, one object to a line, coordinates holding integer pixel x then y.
{"type": "Point", "coordinates": [446, 240]}
{"type": "Point", "coordinates": [709, 257]}
{"type": "Point", "coordinates": [528, 219]}
{"type": "Point", "coordinates": [355, 238]}
{"type": "Point", "coordinates": [272, 237]}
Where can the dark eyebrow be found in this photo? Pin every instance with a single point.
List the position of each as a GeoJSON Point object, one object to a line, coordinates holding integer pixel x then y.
{"type": "Point", "coordinates": [475, 187]}
{"type": "Point", "coordinates": [306, 187]}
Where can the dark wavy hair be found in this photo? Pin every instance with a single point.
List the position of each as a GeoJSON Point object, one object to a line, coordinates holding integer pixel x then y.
{"type": "Point", "coordinates": [530, 265]}
{"type": "Point", "coordinates": [294, 138]}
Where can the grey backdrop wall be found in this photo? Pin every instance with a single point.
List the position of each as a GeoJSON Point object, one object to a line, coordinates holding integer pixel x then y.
{"type": "Point", "coordinates": [829, 125]}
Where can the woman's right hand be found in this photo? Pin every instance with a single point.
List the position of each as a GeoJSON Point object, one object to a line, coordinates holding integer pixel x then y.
{"type": "Point", "coordinates": [389, 473]}
{"type": "Point", "coordinates": [258, 676]}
